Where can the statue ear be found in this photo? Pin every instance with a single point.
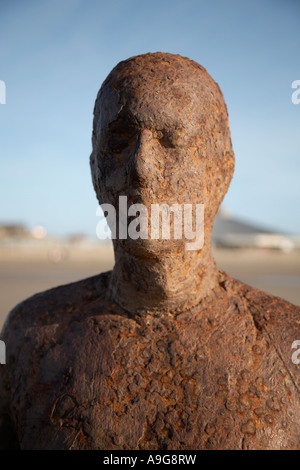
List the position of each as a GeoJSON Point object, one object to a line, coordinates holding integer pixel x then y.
{"type": "Point", "coordinates": [94, 171]}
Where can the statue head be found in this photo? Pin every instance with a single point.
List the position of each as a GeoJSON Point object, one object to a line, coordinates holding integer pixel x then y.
{"type": "Point", "coordinates": [161, 135]}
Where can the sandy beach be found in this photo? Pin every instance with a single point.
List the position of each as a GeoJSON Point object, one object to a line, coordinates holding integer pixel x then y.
{"type": "Point", "coordinates": [24, 273]}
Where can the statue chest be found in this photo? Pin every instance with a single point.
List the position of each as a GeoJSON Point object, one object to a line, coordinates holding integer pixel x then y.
{"type": "Point", "coordinates": [115, 388]}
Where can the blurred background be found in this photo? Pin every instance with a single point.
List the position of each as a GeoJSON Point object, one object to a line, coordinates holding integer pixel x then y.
{"type": "Point", "coordinates": [54, 57]}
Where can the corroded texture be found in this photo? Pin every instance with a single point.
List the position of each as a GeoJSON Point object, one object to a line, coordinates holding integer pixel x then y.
{"type": "Point", "coordinates": [84, 374]}
{"type": "Point", "coordinates": [165, 351]}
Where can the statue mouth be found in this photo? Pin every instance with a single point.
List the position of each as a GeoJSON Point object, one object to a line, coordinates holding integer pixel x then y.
{"type": "Point", "coordinates": [167, 222]}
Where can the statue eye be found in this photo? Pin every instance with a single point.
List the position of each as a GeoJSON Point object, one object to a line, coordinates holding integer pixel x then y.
{"type": "Point", "coordinates": [117, 143]}
{"type": "Point", "coordinates": [119, 135]}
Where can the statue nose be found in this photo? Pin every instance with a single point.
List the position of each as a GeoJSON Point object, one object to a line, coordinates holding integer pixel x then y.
{"type": "Point", "coordinates": [140, 166]}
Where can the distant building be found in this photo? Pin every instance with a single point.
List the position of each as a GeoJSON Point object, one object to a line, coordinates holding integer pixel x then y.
{"type": "Point", "coordinates": [232, 233]}
{"type": "Point", "coordinates": [13, 231]}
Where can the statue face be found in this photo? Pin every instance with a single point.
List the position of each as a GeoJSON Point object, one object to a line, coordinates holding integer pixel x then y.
{"type": "Point", "coordinates": [159, 144]}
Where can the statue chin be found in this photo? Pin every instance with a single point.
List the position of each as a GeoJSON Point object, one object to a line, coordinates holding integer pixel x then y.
{"type": "Point", "coordinates": [152, 249]}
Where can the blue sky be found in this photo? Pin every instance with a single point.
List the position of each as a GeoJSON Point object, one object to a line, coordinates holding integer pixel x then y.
{"type": "Point", "coordinates": [55, 55]}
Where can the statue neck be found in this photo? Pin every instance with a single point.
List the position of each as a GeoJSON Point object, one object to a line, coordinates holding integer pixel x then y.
{"type": "Point", "coordinates": [171, 283]}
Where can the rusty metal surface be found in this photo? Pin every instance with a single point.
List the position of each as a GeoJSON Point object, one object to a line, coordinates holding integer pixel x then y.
{"type": "Point", "coordinates": [165, 351]}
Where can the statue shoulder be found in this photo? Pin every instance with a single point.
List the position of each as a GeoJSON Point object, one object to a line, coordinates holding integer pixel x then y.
{"type": "Point", "coordinates": [279, 320]}
{"type": "Point", "coordinates": [51, 309]}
